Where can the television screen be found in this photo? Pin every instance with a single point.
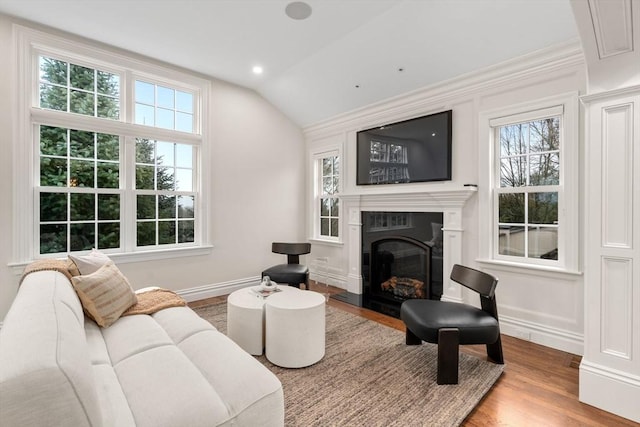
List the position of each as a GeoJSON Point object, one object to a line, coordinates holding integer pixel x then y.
{"type": "Point", "coordinates": [415, 150]}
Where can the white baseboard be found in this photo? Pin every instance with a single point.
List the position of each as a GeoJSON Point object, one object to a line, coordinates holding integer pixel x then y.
{"type": "Point", "coordinates": [559, 339]}
{"type": "Point", "coordinates": [217, 289]}
{"type": "Point", "coordinates": [611, 390]}
{"type": "Point", "coordinates": [330, 278]}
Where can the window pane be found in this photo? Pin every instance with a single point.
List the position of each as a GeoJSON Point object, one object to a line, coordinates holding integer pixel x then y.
{"type": "Point", "coordinates": [513, 139]}
{"type": "Point", "coordinates": [108, 175]}
{"type": "Point", "coordinates": [82, 236]}
{"type": "Point", "coordinates": [53, 71]}
{"type": "Point", "coordinates": [166, 232]}
{"type": "Point", "coordinates": [146, 233]}
{"type": "Point", "coordinates": [145, 93]}
{"type": "Point", "coordinates": [146, 207]}
{"type": "Point", "coordinates": [545, 135]}
{"type": "Point", "coordinates": [145, 151]}
{"type": "Point", "coordinates": [164, 153]}
{"type": "Point", "coordinates": [81, 174]}
{"type": "Point", "coordinates": [513, 171]}
{"type": "Point", "coordinates": [186, 207]}
{"type": "Point", "coordinates": [327, 185]}
{"type": "Point", "coordinates": [336, 165]}
{"type": "Point", "coordinates": [53, 172]}
{"type": "Point", "coordinates": [53, 207]}
{"type": "Point", "coordinates": [543, 208]}
{"type": "Point", "coordinates": [53, 141]}
{"type": "Point", "coordinates": [166, 207]}
{"type": "Point", "coordinates": [334, 227]}
{"type": "Point", "coordinates": [544, 169]}
{"type": "Point", "coordinates": [166, 178]}
{"type": "Point", "coordinates": [186, 231]}
{"type": "Point", "coordinates": [184, 156]}
{"type": "Point", "coordinates": [144, 177]}
{"type": "Point", "coordinates": [81, 102]}
{"type": "Point", "coordinates": [108, 147]}
{"type": "Point", "coordinates": [327, 166]}
{"type": "Point", "coordinates": [511, 240]}
{"type": "Point", "coordinates": [108, 107]}
{"type": "Point", "coordinates": [108, 84]}
{"type": "Point", "coordinates": [184, 179]}
{"type": "Point", "coordinates": [53, 97]}
{"type": "Point", "coordinates": [82, 206]}
{"type": "Point", "coordinates": [81, 144]}
{"type": "Point", "coordinates": [335, 203]}
{"type": "Point", "coordinates": [543, 242]}
{"type": "Point", "coordinates": [108, 206]}
{"type": "Point", "coordinates": [108, 235]}
{"type": "Point", "coordinates": [324, 226]}
{"type": "Point", "coordinates": [184, 122]}
{"type": "Point", "coordinates": [165, 118]}
{"type": "Point", "coordinates": [184, 102]}
{"type": "Point", "coordinates": [81, 77]}
{"type": "Point", "coordinates": [325, 207]}
{"type": "Point", "coordinates": [145, 115]}
{"type": "Point", "coordinates": [53, 238]}
{"type": "Point", "coordinates": [511, 208]}
{"type": "Point", "coordinates": [166, 97]}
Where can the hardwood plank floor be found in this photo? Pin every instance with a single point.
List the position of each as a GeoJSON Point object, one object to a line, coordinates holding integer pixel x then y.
{"type": "Point", "coordinates": [539, 386]}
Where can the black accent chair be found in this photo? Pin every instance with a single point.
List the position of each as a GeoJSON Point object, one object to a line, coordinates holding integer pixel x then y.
{"type": "Point", "coordinates": [450, 324]}
{"type": "Point", "coordinates": [292, 273]}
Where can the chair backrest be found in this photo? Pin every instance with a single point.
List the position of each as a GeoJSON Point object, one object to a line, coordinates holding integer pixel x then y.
{"type": "Point", "coordinates": [291, 250]}
{"type": "Point", "coordinates": [476, 280]}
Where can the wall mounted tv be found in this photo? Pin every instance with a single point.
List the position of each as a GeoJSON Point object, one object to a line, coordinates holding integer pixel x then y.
{"type": "Point", "coordinates": [415, 150]}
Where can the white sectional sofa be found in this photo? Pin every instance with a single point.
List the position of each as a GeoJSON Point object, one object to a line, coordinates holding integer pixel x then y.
{"type": "Point", "coordinates": [172, 368]}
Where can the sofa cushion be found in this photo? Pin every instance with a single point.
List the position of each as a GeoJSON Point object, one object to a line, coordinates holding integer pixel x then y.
{"type": "Point", "coordinates": [105, 294]}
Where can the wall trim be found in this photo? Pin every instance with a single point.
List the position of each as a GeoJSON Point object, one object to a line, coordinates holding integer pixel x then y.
{"type": "Point", "coordinates": [217, 289]}
{"type": "Point", "coordinates": [609, 389]}
{"type": "Point", "coordinates": [560, 339]}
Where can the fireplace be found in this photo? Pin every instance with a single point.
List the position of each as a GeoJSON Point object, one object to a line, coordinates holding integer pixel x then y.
{"type": "Point", "coordinates": [401, 258]}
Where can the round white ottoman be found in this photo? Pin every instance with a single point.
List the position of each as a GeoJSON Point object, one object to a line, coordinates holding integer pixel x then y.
{"type": "Point", "coordinates": [245, 318]}
{"type": "Point", "coordinates": [295, 328]}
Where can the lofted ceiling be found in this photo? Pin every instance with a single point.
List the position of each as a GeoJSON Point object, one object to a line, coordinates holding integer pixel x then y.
{"type": "Point", "coordinates": [346, 55]}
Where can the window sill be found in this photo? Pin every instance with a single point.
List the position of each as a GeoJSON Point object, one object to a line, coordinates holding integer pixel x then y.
{"type": "Point", "coordinates": [140, 256]}
{"type": "Point", "coordinates": [335, 243]}
{"type": "Point", "coordinates": [538, 270]}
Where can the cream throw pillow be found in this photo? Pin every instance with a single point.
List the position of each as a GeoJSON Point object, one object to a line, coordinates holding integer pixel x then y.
{"type": "Point", "coordinates": [105, 294]}
{"type": "Point", "coordinates": [88, 264]}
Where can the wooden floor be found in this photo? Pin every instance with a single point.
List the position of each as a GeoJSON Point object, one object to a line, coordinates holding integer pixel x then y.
{"type": "Point", "coordinates": [539, 386]}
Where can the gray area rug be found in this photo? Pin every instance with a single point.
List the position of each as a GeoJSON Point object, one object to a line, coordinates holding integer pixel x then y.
{"type": "Point", "coordinates": [369, 377]}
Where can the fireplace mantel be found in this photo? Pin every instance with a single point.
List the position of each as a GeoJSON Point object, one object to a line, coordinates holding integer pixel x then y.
{"type": "Point", "coordinates": [448, 201]}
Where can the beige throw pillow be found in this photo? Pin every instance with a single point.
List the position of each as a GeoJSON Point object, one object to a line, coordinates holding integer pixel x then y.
{"type": "Point", "coordinates": [105, 294]}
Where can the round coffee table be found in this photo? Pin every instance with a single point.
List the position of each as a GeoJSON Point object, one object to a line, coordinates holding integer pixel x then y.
{"type": "Point", "coordinates": [295, 328]}
{"type": "Point", "coordinates": [245, 317]}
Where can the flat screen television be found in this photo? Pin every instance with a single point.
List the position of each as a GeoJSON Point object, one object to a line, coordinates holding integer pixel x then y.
{"type": "Point", "coordinates": [414, 150]}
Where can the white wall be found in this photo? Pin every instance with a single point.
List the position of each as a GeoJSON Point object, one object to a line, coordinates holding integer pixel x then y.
{"type": "Point", "coordinates": [544, 307]}
{"type": "Point", "coordinates": [256, 192]}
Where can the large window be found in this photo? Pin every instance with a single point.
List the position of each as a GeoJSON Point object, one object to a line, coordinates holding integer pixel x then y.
{"type": "Point", "coordinates": [328, 176]}
{"type": "Point", "coordinates": [116, 151]}
{"type": "Point", "coordinates": [530, 175]}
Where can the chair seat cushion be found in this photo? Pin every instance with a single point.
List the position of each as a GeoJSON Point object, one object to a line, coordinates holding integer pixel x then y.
{"type": "Point", "coordinates": [425, 317]}
{"type": "Point", "coordinates": [287, 273]}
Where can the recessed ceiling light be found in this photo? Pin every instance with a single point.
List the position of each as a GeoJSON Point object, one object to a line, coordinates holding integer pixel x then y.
{"type": "Point", "coordinates": [298, 10]}
{"type": "Point", "coordinates": [257, 69]}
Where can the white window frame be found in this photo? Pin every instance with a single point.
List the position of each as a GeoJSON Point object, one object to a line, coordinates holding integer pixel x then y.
{"type": "Point", "coordinates": [29, 45]}
{"type": "Point", "coordinates": [567, 106]}
{"type": "Point", "coordinates": [318, 195]}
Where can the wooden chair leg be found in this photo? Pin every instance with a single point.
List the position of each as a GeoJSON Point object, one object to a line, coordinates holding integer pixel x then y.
{"type": "Point", "coordinates": [448, 346]}
{"type": "Point", "coordinates": [494, 351]}
{"type": "Point", "coordinates": [411, 338]}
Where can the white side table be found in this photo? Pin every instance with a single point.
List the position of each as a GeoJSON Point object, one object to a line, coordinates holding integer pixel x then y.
{"type": "Point", "coordinates": [295, 328]}
{"type": "Point", "coordinates": [245, 318]}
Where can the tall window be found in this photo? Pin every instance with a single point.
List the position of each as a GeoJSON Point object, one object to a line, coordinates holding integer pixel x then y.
{"type": "Point", "coordinates": [329, 203]}
{"type": "Point", "coordinates": [532, 185]}
{"type": "Point", "coordinates": [102, 180]}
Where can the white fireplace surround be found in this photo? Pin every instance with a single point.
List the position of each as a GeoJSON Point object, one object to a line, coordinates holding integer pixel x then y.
{"type": "Point", "coordinates": [449, 202]}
